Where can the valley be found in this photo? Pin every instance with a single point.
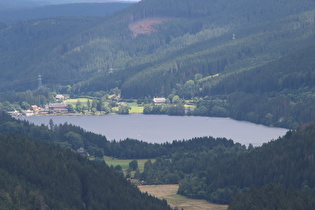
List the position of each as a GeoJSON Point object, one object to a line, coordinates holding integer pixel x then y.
{"type": "Point", "coordinates": [142, 62]}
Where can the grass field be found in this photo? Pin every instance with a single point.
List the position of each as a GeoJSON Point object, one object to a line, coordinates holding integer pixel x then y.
{"type": "Point", "coordinates": [124, 163]}
{"type": "Point", "coordinates": [74, 101]}
{"type": "Point", "coordinates": [135, 108]}
{"type": "Point", "coordinates": [169, 193]}
{"type": "Point", "coordinates": [190, 105]}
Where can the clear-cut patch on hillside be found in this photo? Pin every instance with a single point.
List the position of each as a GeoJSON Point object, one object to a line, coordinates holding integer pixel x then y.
{"type": "Point", "coordinates": [145, 26]}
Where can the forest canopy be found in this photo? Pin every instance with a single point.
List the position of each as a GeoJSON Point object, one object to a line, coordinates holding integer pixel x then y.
{"type": "Point", "coordinates": [37, 175]}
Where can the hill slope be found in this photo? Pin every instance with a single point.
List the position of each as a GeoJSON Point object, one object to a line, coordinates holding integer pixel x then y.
{"type": "Point", "coordinates": [219, 173]}
{"type": "Point", "coordinates": [190, 40]}
{"type": "Point", "coordinates": [75, 55]}
{"type": "Point", "coordinates": [38, 175]}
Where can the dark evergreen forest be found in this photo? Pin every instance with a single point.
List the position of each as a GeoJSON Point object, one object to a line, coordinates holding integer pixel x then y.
{"type": "Point", "coordinates": [274, 196]}
{"type": "Point", "coordinates": [40, 175]}
{"type": "Point", "coordinates": [220, 173]}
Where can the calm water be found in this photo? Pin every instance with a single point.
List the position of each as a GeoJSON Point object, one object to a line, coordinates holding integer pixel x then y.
{"type": "Point", "coordinates": [163, 128]}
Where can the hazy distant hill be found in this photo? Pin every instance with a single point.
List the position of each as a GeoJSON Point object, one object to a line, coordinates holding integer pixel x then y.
{"type": "Point", "coordinates": [64, 10]}
{"type": "Point", "coordinates": [10, 4]}
{"type": "Point", "coordinates": [14, 4]}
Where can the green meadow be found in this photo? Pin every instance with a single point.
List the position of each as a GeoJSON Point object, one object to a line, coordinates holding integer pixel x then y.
{"type": "Point", "coordinates": [75, 100]}
{"type": "Point", "coordinates": [135, 108]}
{"type": "Point", "coordinates": [124, 163]}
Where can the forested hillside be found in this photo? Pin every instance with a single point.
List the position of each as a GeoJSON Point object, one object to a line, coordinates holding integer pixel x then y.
{"type": "Point", "coordinates": [193, 33]}
{"type": "Point", "coordinates": [194, 50]}
{"type": "Point", "coordinates": [279, 93]}
{"type": "Point", "coordinates": [220, 173]}
{"type": "Point", "coordinates": [39, 175]}
{"type": "Point", "coordinates": [274, 197]}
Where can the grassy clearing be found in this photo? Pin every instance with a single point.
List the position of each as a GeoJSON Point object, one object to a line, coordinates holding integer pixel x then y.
{"type": "Point", "coordinates": [124, 163]}
{"type": "Point", "coordinates": [168, 192]}
{"type": "Point", "coordinates": [75, 100]}
{"type": "Point", "coordinates": [115, 109]}
{"type": "Point", "coordinates": [136, 110]}
{"type": "Point", "coordinates": [190, 105]}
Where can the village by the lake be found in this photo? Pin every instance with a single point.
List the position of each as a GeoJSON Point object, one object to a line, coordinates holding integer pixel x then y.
{"type": "Point", "coordinates": [64, 105]}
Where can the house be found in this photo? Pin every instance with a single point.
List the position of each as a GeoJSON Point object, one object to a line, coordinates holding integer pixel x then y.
{"type": "Point", "coordinates": [58, 108]}
{"type": "Point", "coordinates": [158, 101]}
{"type": "Point", "coordinates": [82, 151]}
{"type": "Point", "coordinates": [34, 108]}
{"type": "Point", "coordinates": [60, 97]}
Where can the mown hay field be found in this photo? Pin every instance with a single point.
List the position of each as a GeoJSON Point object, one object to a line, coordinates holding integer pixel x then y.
{"type": "Point", "coordinates": [169, 193]}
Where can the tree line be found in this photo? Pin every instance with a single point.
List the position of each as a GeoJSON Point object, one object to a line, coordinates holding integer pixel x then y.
{"type": "Point", "coordinates": [74, 137]}
{"type": "Point", "coordinates": [221, 173]}
{"type": "Point", "coordinates": [39, 175]}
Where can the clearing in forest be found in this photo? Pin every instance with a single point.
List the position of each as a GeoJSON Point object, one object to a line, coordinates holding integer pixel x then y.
{"type": "Point", "coordinates": [145, 26]}
{"type": "Point", "coordinates": [124, 163]}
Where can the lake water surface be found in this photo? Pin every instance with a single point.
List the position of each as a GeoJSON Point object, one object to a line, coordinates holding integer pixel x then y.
{"type": "Point", "coordinates": [163, 128]}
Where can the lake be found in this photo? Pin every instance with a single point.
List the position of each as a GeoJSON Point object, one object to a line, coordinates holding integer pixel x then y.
{"type": "Point", "coordinates": [164, 128]}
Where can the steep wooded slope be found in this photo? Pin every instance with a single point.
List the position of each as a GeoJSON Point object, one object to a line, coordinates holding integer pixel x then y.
{"type": "Point", "coordinates": [196, 39]}
{"type": "Point", "coordinates": [39, 175]}
{"type": "Point", "coordinates": [279, 93]}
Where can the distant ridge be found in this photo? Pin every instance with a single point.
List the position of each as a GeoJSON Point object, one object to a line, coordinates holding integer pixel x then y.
{"type": "Point", "coordinates": [62, 10]}
{"type": "Point", "coordinates": [10, 4]}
